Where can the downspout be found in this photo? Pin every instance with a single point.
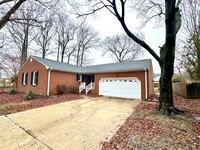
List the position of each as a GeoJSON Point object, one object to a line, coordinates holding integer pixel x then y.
{"type": "Point", "coordinates": [145, 83]}
{"type": "Point", "coordinates": [48, 81]}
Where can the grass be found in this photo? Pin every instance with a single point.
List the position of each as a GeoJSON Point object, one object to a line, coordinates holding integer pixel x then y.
{"type": "Point", "coordinates": [6, 84]}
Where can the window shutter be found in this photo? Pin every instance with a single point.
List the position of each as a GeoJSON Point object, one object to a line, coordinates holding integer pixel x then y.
{"type": "Point", "coordinates": [36, 77]}
{"type": "Point", "coordinates": [77, 77]}
{"type": "Point", "coordinates": [31, 78]}
{"type": "Point", "coordinates": [22, 78]}
{"type": "Point", "coordinates": [26, 78]}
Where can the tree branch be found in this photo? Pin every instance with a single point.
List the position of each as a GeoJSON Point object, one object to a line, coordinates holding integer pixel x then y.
{"type": "Point", "coordinates": [5, 1]}
{"type": "Point", "coordinates": [131, 35]}
{"type": "Point", "coordinates": [7, 16]}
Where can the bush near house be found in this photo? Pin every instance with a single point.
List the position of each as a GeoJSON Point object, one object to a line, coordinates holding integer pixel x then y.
{"type": "Point", "coordinates": [30, 95]}
{"type": "Point", "coordinates": [13, 91]}
{"type": "Point", "coordinates": [63, 89]}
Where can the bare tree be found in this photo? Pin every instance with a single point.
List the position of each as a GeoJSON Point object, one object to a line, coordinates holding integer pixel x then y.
{"type": "Point", "coordinates": [167, 55]}
{"type": "Point", "coordinates": [9, 64]}
{"type": "Point", "coordinates": [14, 5]}
{"type": "Point", "coordinates": [87, 39]}
{"type": "Point", "coordinates": [65, 33]}
{"type": "Point", "coordinates": [121, 48]}
{"type": "Point", "coordinates": [7, 15]}
{"type": "Point", "coordinates": [22, 32]}
{"type": "Point", "coordinates": [45, 34]}
{"type": "Point", "coordinates": [191, 44]}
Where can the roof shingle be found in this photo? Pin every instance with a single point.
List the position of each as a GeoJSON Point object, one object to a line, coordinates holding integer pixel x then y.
{"type": "Point", "coordinates": [134, 65]}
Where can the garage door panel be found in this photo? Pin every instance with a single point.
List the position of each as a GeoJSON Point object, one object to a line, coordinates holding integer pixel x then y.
{"type": "Point", "coordinates": [120, 87]}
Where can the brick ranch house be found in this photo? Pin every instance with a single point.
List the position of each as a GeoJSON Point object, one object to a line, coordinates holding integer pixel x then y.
{"type": "Point", "coordinates": [126, 80]}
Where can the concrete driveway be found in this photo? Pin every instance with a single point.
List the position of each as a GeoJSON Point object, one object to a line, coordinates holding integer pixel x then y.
{"type": "Point", "coordinates": [75, 125]}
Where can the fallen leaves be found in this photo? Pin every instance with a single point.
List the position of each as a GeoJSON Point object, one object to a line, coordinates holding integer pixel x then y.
{"type": "Point", "coordinates": [16, 103]}
{"type": "Point", "coordinates": [148, 129]}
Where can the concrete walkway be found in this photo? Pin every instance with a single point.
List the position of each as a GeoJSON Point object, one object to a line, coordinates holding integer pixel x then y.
{"type": "Point", "coordinates": [75, 125]}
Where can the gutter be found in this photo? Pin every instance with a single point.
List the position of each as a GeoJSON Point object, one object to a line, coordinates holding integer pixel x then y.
{"type": "Point", "coordinates": [48, 80]}
{"type": "Point", "coordinates": [146, 83]}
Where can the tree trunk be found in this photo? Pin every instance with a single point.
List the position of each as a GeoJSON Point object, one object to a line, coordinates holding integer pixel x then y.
{"type": "Point", "coordinates": [78, 55]}
{"type": "Point", "coordinates": [43, 52]}
{"type": "Point", "coordinates": [167, 55]}
{"type": "Point", "coordinates": [166, 95]}
{"type": "Point", "coordinates": [58, 53]}
{"type": "Point", "coordinates": [62, 55]}
{"type": "Point", "coordinates": [24, 48]}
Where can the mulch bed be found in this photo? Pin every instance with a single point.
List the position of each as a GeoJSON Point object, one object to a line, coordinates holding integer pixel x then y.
{"type": "Point", "coordinates": [147, 129]}
{"type": "Point", "coordinates": [21, 104]}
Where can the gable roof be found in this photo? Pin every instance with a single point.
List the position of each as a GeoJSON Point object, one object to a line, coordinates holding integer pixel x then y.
{"type": "Point", "coordinates": [55, 65]}
{"type": "Point", "coordinates": [135, 65]}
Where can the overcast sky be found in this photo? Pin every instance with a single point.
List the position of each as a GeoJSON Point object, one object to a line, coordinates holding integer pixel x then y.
{"type": "Point", "coordinates": [107, 25]}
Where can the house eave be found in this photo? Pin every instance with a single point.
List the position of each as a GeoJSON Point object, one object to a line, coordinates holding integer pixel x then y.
{"type": "Point", "coordinates": [95, 72]}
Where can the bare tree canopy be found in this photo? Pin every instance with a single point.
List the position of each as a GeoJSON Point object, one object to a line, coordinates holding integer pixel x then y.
{"type": "Point", "coordinates": [45, 34]}
{"type": "Point", "coordinates": [9, 7]}
{"type": "Point", "coordinates": [121, 48]}
{"type": "Point", "coordinates": [22, 32]}
{"type": "Point", "coordinates": [9, 63]}
{"type": "Point", "coordinates": [65, 31]}
{"type": "Point", "coordinates": [7, 15]}
{"type": "Point", "coordinates": [87, 39]}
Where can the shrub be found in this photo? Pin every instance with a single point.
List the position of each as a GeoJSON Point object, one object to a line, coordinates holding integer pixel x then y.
{"type": "Point", "coordinates": [30, 95]}
{"type": "Point", "coordinates": [61, 89]}
{"type": "Point", "coordinates": [13, 91]}
{"type": "Point", "coordinates": [72, 90]}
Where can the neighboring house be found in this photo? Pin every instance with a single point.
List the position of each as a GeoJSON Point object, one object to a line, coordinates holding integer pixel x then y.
{"type": "Point", "coordinates": [156, 79]}
{"type": "Point", "coordinates": [127, 79]}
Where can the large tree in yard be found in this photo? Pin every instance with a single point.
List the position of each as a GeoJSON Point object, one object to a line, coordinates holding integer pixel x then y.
{"type": "Point", "coordinates": [171, 12]}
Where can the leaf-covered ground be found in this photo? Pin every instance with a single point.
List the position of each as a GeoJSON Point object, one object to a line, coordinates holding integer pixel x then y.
{"type": "Point", "coordinates": [147, 129]}
{"type": "Point", "coordinates": [16, 103]}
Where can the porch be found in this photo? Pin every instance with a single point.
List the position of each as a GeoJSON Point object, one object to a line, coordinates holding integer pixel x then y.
{"type": "Point", "coordinates": [87, 82]}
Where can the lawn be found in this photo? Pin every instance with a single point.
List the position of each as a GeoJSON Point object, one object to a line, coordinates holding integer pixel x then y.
{"type": "Point", "coordinates": [147, 129]}
{"type": "Point", "coordinates": [16, 103]}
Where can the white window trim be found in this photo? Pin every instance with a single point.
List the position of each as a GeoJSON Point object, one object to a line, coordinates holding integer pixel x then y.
{"type": "Point", "coordinates": [33, 81]}
{"type": "Point", "coordinates": [24, 78]}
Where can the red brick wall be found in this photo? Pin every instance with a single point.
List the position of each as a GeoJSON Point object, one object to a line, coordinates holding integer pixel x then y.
{"type": "Point", "coordinates": [29, 67]}
{"type": "Point", "coordinates": [150, 81]}
{"type": "Point", "coordinates": [139, 74]}
{"type": "Point", "coordinates": [66, 78]}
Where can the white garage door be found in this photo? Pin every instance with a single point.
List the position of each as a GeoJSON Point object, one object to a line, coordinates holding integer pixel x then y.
{"type": "Point", "coordinates": [120, 87]}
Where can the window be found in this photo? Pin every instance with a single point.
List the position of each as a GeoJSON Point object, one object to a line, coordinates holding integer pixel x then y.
{"type": "Point", "coordinates": [24, 78]}
{"type": "Point", "coordinates": [79, 77]}
{"type": "Point", "coordinates": [34, 78]}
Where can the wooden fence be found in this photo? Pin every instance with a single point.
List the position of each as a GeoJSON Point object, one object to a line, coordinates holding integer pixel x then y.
{"type": "Point", "coordinates": [180, 89]}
